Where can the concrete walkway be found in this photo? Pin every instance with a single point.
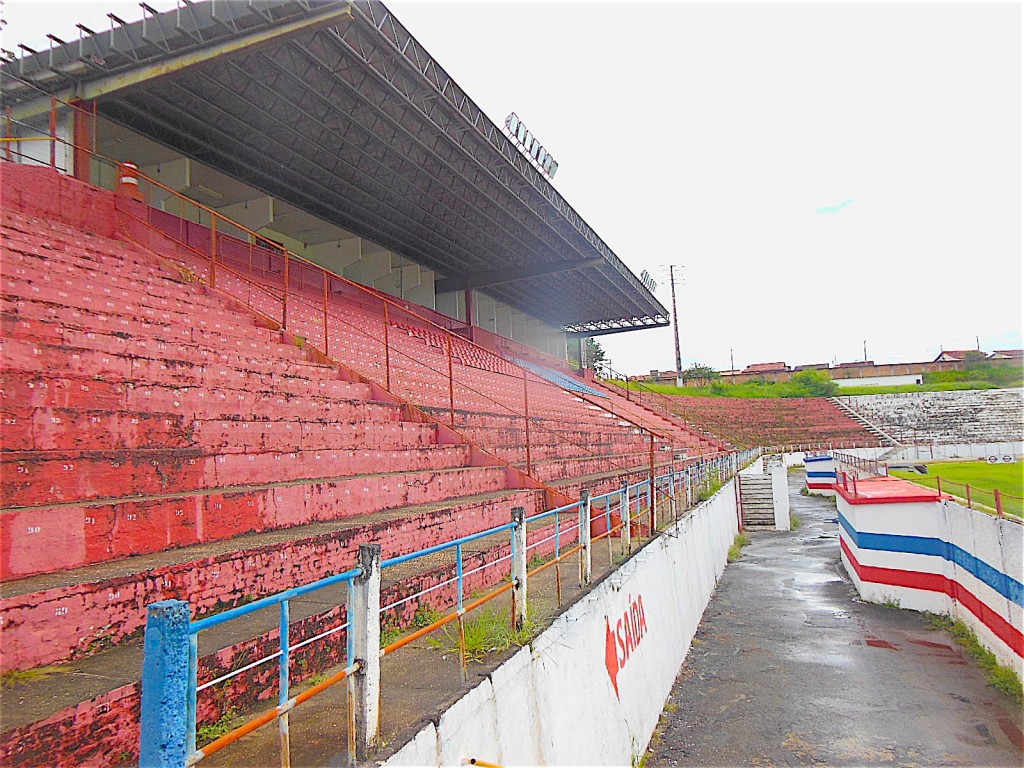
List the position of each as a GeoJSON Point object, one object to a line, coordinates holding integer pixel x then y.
{"type": "Point", "coordinates": [790, 668]}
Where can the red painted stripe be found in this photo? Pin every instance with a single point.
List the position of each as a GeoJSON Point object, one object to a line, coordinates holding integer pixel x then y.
{"type": "Point", "coordinates": [826, 486]}
{"type": "Point", "coordinates": [935, 582]}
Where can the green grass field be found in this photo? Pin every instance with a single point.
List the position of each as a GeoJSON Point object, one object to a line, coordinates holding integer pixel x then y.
{"type": "Point", "coordinates": [981, 476]}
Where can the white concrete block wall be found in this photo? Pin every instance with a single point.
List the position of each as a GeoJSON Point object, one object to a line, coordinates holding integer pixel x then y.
{"type": "Point", "coordinates": [780, 496]}
{"type": "Point", "coordinates": [553, 703]}
{"type": "Point", "coordinates": [824, 468]}
{"type": "Point", "coordinates": [933, 550]}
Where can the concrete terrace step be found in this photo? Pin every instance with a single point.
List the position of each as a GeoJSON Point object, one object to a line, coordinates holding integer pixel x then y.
{"type": "Point", "coordinates": [130, 360]}
{"type": "Point", "coordinates": [40, 478]}
{"type": "Point", "coordinates": [66, 429]}
{"type": "Point", "coordinates": [333, 399]}
{"type": "Point", "coordinates": [101, 633]}
{"type": "Point", "coordinates": [44, 321]}
{"type": "Point", "coordinates": [50, 537]}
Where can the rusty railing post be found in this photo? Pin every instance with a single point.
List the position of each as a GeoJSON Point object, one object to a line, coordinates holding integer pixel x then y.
{"type": "Point", "coordinates": [451, 382]}
{"type": "Point", "coordinates": [526, 421]}
{"type": "Point", "coordinates": [387, 351]}
{"type": "Point", "coordinates": [287, 280]}
{"type": "Point", "coordinates": [654, 495]}
{"type": "Point", "coordinates": [53, 132]}
{"type": "Point", "coordinates": [9, 134]}
{"type": "Point", "coordinates": [967, 488]}
{"type": "Point", "coordinates": [999, 501]}
{"type": "Point", "coordinates": [213, 252]}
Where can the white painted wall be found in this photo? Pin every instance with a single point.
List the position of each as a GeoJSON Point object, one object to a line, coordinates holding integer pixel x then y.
{"type": "Point", "coordinates": [780, 494]}
{"type": "Point", "coordinates": [998, 542]}
{"type": "Point", "coordinates": [957, 451]}
{"type": "Point", "coordinates": [878, 381]}
{"type": "Point", "coordinates": [553, 702]}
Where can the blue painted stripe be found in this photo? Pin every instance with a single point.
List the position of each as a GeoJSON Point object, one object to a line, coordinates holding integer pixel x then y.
{"type": "Point", "coordinates": [817, 458]}
{"type": "Point", "coordinates": [822, 474]}
{"type": "Point", "coordinates": [1005, 585]}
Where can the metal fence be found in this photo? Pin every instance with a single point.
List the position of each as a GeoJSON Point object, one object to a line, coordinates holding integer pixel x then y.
{"type": "Point", "coordinates": [632, 514]}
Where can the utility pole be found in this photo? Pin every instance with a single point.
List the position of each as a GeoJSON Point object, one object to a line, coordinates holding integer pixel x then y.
{"type": "Point", "coordinates": [675, 326]}
{"type": "Point", "coordinates": [732, 365]}
{"type": "Point", "coordinates": [865, 350]}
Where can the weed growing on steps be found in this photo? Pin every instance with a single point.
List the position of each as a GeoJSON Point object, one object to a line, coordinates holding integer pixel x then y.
{"type": "Point", "coordinates": [426, 615]}
{"type": "Point", "coordinates": [211, 731]}
{"type": "Point", "coordinates": [488, 630]}
{"type": "Point", "coordinates": [795, 522]}
{"type": "Point", "coordinates": [892, 602]}
{"type": "Point", "coordinates": [17, 677]}
{"type": "Point", "coordinates": [999, 677]}
{"type": "Point", "coordinates": [736, 550]}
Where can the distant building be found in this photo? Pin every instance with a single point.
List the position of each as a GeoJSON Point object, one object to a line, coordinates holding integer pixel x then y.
{"type": "Point", "coordinates": [766, 368]}
{"type": "Point", "coordinates": [811, 367]}
{"type": "Point", "coordinates": [956, 355]}
{"type": "Point", "coordinates": [1007, 354]}
{"type": "Point", "coordinates": [856, 364]}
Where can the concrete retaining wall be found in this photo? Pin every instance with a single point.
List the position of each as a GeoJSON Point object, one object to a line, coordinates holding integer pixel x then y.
{"type": "Point", "coordinates": [958, 451]}
{"type": "Point", "coordinates": [941, 557]}
{"type": "Point", "coordinates": [590, 689]}
{"type": "Point", "coordinates": [820, 474]}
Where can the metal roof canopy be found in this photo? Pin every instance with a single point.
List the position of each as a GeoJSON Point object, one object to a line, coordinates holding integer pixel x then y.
{"type": "Point", "coordinates": [334, 108]}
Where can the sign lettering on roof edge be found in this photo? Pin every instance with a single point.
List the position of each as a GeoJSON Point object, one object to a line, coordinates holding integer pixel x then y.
{"type": "Point", "coordinates": [528, 143]}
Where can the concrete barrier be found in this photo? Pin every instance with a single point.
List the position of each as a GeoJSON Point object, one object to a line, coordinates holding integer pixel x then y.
{"type": "Point", "coordinates": [590, 689]}
{"type": "Point", "coordinates": [905, 544]}
{"type": "Point", "coordinates": [820, 474]}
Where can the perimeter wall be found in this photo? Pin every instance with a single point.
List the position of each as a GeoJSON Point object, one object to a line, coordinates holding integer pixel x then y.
{"type": "Point", "coordinates": [941, 557]}
{"type": "Point", "coordinates": [608, 662]}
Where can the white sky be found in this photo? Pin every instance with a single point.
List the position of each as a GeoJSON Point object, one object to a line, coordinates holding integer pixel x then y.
{"type": "Point", "coordinates": [707, 135]}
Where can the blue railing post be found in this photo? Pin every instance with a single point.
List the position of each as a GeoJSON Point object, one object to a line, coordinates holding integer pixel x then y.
{"type": "Point", "coordinates": [284, 734]}
{"type": "Point", "coordinates": [164, 738]}
{"type": "Point", "coordinates": [624, 514]}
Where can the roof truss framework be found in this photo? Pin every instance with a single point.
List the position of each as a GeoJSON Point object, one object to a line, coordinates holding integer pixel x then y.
{"type": "Point", "coordinates": [355, 123]}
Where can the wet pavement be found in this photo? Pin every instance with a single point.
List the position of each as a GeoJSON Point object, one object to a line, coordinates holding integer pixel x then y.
{"type": "Point", "coordinates": [790, 668]}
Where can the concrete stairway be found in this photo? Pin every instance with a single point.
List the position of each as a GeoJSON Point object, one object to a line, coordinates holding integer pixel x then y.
{"type": "Point", "coordinates": [868, 425]}
{"type": "Point", "coordinates": [756, 501]}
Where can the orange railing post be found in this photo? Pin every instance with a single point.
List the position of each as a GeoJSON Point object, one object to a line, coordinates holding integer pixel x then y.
{"type": "Point", "coordinates": [387, 352]}
{"type": "Point", "coordinates": [9, 133]}
{"type": "Point", "coordinates": [451, 382]}
{"type": "Point", "coordinates": [213, 251]}
{"type": "Point", "coordinates": [53, 132]}
{"type": "Point", "coordinates": [327, 279]}
{"type": "Point", "coordinates": [526, 420]}
{"type": "Point", "coordinates": [967, 488]}
{"type": "Point", "coordinates": [999, 501]}
{"type": "Point", "coordinates": [287, 279]}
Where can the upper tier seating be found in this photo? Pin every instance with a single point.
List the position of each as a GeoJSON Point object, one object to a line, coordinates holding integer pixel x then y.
{"type": "Point", "coordinates": [749, 422]}
{"type": "Point", "coordinates": [956, 417]}
{"type": "Point", "coordinates": [486, 398]}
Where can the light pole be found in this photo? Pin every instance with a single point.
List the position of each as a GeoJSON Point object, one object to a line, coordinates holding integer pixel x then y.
{"type": "Point", "coordinates": [675, 325]}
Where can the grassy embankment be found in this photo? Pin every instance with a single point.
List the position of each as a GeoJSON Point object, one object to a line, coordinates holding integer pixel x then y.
{"type": "Point", "coordinates": [976, 377]}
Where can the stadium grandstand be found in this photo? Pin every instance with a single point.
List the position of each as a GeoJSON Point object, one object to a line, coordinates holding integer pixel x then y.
{"type": "Point", "coordinates": [273, 287]}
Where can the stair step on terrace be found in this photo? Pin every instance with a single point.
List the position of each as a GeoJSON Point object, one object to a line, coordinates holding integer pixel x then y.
{"type": "Point", "coordinates": [35, 478]}
{"type": "Point", "coordinates": [104, 606]}
{"type": "Point", "coordinates": [139, 303]}
{"type": "Point", "coordinates": [66, 429]}
{"type": "Point", "coordinates": [50, 537]}
{"type": "Point", "coordinates": [18, 313]}
{"type": "Point", "coordinates": [200, 349]}
{"type": "Point", "coordinates": [162, 363]}
{"type": "Point", "coordinates": [330, 399]}
{"type": "Point", "coordinates": [40, 321]}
